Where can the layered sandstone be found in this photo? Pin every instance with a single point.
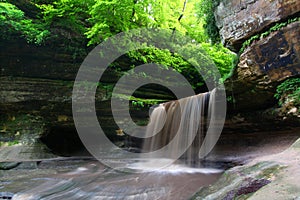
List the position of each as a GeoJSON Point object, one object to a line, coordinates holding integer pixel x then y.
{"type": "Point", "coordinates": [239, 20]}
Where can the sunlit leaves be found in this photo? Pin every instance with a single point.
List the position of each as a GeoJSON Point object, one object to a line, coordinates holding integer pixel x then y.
{"type": "Point", "coordinates": [13, 23]}
{"type": "Point", "coordinates": [97, 20]}
{"type": "Point", "coordinates": [67, 14]}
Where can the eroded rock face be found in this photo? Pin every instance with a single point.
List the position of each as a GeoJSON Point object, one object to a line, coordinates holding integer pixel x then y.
{"type": "Point", "coordinates": [50, 100]}
{"type": "Point", "coordinates": [263, 65]}
{"type": "Point", "coordinates": [239, 20]}
{"type": "Point", "coordinates": [24, 60]}
{"type": "Point", "coordinates": [273, 58]}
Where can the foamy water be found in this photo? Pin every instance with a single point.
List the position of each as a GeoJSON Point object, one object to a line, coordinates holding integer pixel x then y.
{"type": "Point", "coordinates": [153, 165]}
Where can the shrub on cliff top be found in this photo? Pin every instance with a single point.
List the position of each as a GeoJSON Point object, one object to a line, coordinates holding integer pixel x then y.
{"type": "Point", "coordinates": [13, 24]}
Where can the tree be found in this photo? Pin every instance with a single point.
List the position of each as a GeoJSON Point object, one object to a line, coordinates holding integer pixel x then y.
{"type": "Point", "coordinates": [14, 23]}
{"type": "Point", "coordinates": [74, 21]}
{"type": "Point", "coordinates": [111, 16]}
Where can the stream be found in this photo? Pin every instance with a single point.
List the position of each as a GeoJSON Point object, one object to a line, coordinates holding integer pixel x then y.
{"type": "Point", "coordinates": [83, 177]}
{"type": "Point", "coordinates": [86, 178]}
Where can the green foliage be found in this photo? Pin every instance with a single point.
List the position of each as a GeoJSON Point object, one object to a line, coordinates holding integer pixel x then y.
{"type": "Point", "coordinates": [20, 128]}
{"type": "Point", "coordinates": [14, 24]}
{"type": "Point", "coordinates": [138, 104]}
{"type": "Point", "coordinates": [249, 41]}
{"type": "Point", "coordinates": [111, 17]}
{"type": "Point", "coordinates": [223, 58]}
{"type": "Point", "coordinates": [205, 10]}
{"type": "Point", "coordinates": [274, 28]}
{"type": "Point", "coordinates": [289, 89]}
{"type": "Point", "coordinates": [69, 15]}
{"type": "Point", "coordinates": [12, 143]}
{"type": "Point", "coordinates": [9, 143]}
{"type": "Point", "coordinates": [205, 56]}
{"type": "Point", "coordinates": [96, 20]}
{"type": "Point", "coordinates": [143, 103]}
{"type": "Point", "coordinates": [67, 21]}
{"type": "Point", "coordinates": [230, 99]}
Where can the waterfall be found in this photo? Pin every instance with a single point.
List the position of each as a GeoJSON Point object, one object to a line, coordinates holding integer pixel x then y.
{"type": "Point", "coordinates": [181, 125]}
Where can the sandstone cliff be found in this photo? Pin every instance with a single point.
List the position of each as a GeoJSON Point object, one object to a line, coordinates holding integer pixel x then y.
{"type": "Point", "coordinates": [273, 55]}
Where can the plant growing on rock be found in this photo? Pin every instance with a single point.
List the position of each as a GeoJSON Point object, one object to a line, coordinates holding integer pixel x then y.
{"type": "Point", "coordinates": [274, 28]}
{"type": "Point", "coordinates": [289, 88]}
{"type": "Point", "coordinates": [288, 95]}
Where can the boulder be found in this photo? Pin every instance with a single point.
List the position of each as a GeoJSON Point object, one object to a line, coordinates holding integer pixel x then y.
{"type": "Point", "coordinates": [34, 110]}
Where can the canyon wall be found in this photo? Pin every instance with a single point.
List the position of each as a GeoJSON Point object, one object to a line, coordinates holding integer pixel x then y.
{"type": "Point", "coordinates": [273, 55]}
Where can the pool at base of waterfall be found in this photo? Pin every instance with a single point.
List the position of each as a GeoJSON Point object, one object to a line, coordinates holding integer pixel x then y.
{"type": "Point", "coordinates": [89, 179]}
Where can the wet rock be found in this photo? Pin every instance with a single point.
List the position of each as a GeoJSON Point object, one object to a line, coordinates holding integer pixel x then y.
{"type": "Point", "coordinates": [29, 165]}
{"type": "Point", "coordinates": [240, 181]}
{"type": "Point", "coordinates": [6, 195]}
{"type": "Point", "coordinates": [272, 177]}
{"type": "Point", "coordinates": [19, 165]}
{"type": "Point", "coordinates": [239, 20]}
{"type": "Point", "coordinates": [35, 92]}
{"type": "Point", "coordinates": [296, 145]}
{"type": "Point", "coordinates": [8, 165]}
{"type": "Point", "coordinates": [24, 152]}
{"type": "Point", "coordinates": [268, 60]}
{"type": "Point", "coordinates": [32, 109]}
{"type": "Point", "coordinates": [253, 186]}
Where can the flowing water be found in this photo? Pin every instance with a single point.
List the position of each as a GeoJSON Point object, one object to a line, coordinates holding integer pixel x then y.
{"type": "Point", "coordinates": [89, 179]}
{"type": "Point", "coordinates": [85, 178]}
{"type": "Point", "coordinates": [178, 126]}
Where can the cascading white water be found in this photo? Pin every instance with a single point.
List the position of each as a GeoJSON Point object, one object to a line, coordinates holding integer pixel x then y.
{"type": "Point", "coordinates": [181, 126]}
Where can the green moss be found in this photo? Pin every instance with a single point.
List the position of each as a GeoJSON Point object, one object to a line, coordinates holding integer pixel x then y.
{"type": "Point", "coordinates": [20, 128]}
{"type": "Point", "coordinates": [258, 167]}
{"type": "Point", "coordinates": [289, 90]}
{"type": "Point", "coordinates": [9, 143]}
{"type": "Point", "coordinates": [269, 172]}
{"type": "Point", "coordinates": [139, 102]}
{"type": "Point", "coordinates": [274, 28]}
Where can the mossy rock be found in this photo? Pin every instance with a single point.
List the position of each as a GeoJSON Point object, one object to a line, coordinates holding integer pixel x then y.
{"type": "Point", "coordinates": [20, 138]}
{"type": "Point", "coordinates": [240, 182]}
{"type": "Point", "coordinates": [21, 129]}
